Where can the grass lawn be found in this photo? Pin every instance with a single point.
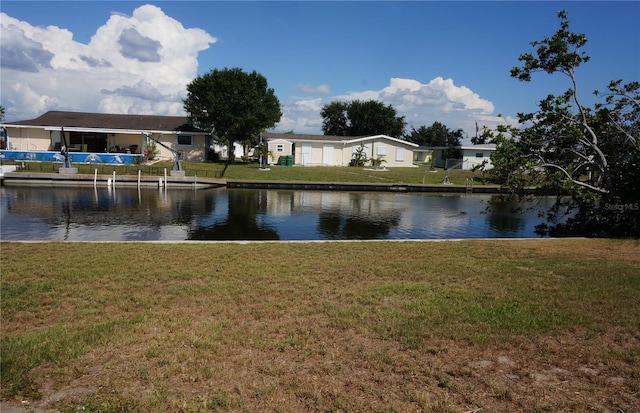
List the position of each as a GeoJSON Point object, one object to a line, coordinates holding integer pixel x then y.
{"type": "Point", "coordinates": [251, 171]}
{"type": "Point", "coordinates": [472, 326]}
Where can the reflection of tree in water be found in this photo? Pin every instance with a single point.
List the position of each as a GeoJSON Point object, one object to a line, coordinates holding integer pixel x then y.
{"type": "Point", "coordinates": [241, 222]}
{"type": "Point", "coordinates": [365, 219]}
{"type": "Point", "coordinates": [505, 215]}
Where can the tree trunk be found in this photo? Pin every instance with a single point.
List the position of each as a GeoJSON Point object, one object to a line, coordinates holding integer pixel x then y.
{"type": "Point", "coordinates": [232, 152]}
{"type": "Point", "coordinates": [230, 157]}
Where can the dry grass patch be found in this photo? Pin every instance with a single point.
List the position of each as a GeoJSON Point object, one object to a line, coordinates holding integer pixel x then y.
{"type": "Point", "coordinates": [542, 325]}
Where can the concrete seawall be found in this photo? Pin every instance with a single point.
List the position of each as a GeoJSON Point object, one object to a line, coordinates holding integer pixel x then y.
{"type": "Point", "coordinates": [367, 187]}
{"type": "Point", "coordinates": [87, 180]}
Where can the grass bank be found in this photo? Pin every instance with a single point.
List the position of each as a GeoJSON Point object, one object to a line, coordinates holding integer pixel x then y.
{"type": "Point", "coordinates": [530, 325]}
{"type": "Point", "coordinates": [250, 171]}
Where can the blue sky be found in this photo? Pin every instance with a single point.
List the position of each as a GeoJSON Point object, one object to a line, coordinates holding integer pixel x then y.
{"type": "Point", "coordinates": [433, 61]}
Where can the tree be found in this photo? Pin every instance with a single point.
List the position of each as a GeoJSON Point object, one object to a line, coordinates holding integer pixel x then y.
{"type": "Point", "coordinates": [590, 155]}
{"type": "Point", "coordinates": [361, 118]}
{"type": "Point", "coordinates": [1, 113]}
{"type": "Point", "coordinates": [233, 104]}
{"type": "Point", "coordinates": [359, 157]}
{"type": "Point", "coordinates": [484, 137]}
{"type": "Point", "coordinates": [435, 135]}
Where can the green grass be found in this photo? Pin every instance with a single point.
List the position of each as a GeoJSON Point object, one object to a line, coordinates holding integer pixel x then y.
{"type": "Point", "coordinates": [250, 171]}
{"type": "Point", "coordinates": [320, 326]}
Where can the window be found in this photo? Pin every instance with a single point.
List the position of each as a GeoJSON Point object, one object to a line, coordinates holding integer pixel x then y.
{"type": "Point", "coordinates": [381, 150]}
{"type": "Point", "coordinates": [279, 147]}
{"type": "Point", "coordinates": [185, 140]}
{"type": "Point", "coordinates": [479, 155]}
{"type": "Point", "coordinates": [400, 154]}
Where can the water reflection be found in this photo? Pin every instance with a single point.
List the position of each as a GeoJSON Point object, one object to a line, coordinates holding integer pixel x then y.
{"type": "Point", "coordinates": [240, 222]}
{"type": "Point", "coordinates": [129, 214]}
{"type": "Point", "coordinates": [505, 216]}
{"type": "Point", "coordinates": [367, 216]}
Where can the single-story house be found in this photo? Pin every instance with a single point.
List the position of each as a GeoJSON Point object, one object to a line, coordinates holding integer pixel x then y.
{"type": "Point", "coordinates": [326, 150]}
{"type": "Point", "coordinates": [115, 138]}
{"type": "Point", "coordinates": [470, 156]}
{"type": "Point", "coordinates": [422, 155]}
{"type": "Point", "coordinates": [87, 134]}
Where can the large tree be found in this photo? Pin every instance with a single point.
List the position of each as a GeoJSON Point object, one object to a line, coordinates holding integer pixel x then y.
{"type": "Point", "coordinates": [233, 104]}
{"type": "Point", "coordinates": [361, 118]}
{"type": "Point", "coordinates": [435, 135]}
{"type": "Point", "coordinates": [590, 155]}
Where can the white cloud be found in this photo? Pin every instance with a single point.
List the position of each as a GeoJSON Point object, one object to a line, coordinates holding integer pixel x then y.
{"type": "Point", "coordinates": [440, 100]}
{"type": "Point", "coordinates": [132, 64]}
{"type": "Point", "coordinates": [301, 116]}
{"type": "Point", "coordinates": [321, 89]}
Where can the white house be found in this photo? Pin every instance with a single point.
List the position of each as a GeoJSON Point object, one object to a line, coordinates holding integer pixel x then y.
{"type": "Point", "coordinates": [476, 155]}
{"type": "Point", "coordinates": [325, 150]}
{"type": "Point", "coordinates": [469, 156]}
{"type": "Point", "coordinates": [122, 138]}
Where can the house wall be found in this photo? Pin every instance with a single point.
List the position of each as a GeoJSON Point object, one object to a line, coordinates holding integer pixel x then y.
{"type": "Point", "coordinates": [472, 158]}
{"type": "Point", "coordinates": [278, 148]}
{"type": "Point", "coordinates": [332, 154]}
{"type": "Point", "coordinates": [469, 158]}
{"type": "Point", "coordinates": [423, 157]}
{"type": "Point", "coordinates": [304, 154]}
{"type": "Point", "coordinates": [29, 139]}
{"type": "Point", "coordinates": [393, 155]}
{"type": "Point", "coordinates": [327, 153]}
{"type": "Point", "coordinates": [194, 152]}
{"type": "Point", "coordinates": [311, 153]}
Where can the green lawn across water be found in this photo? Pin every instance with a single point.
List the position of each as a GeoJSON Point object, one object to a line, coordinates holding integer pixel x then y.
{"type": "Point", "coordinates": [251, 171]}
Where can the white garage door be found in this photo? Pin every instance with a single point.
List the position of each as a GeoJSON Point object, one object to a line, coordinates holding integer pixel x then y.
{"type": "Point", "coordinates": [327, 154]}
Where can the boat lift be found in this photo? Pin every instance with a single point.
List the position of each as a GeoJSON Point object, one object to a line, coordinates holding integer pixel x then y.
{"type": "Point", "coordinates": [176, 155]}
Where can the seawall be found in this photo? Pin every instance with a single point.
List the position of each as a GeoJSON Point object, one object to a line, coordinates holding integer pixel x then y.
{"type": "Point", "coordinates": [147, 181]}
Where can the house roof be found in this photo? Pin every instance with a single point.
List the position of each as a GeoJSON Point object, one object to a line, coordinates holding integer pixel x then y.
{"type": "Point", "coordinates": [330, 138]}
{"type": "Point", "coordinates": [373, 137]}
{"type": "Point", "coordinates": [484, 147]}
{"type": "Point", "coordinates": [302, 137]}
{"type": "Point", "coordinates": [110, 121]}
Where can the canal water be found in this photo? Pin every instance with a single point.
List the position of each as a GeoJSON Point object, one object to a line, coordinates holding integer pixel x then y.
{"type": "Point", "coordinates": [130, 214]}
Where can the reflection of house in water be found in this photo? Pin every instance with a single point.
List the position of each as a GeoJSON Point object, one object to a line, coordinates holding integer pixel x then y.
{"type": "Point", "coordinates": [103, 208]}
{"type": "Point", "coordinates": [285, 202]}
{"type": "Point", "coordinates": [340, 215]}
